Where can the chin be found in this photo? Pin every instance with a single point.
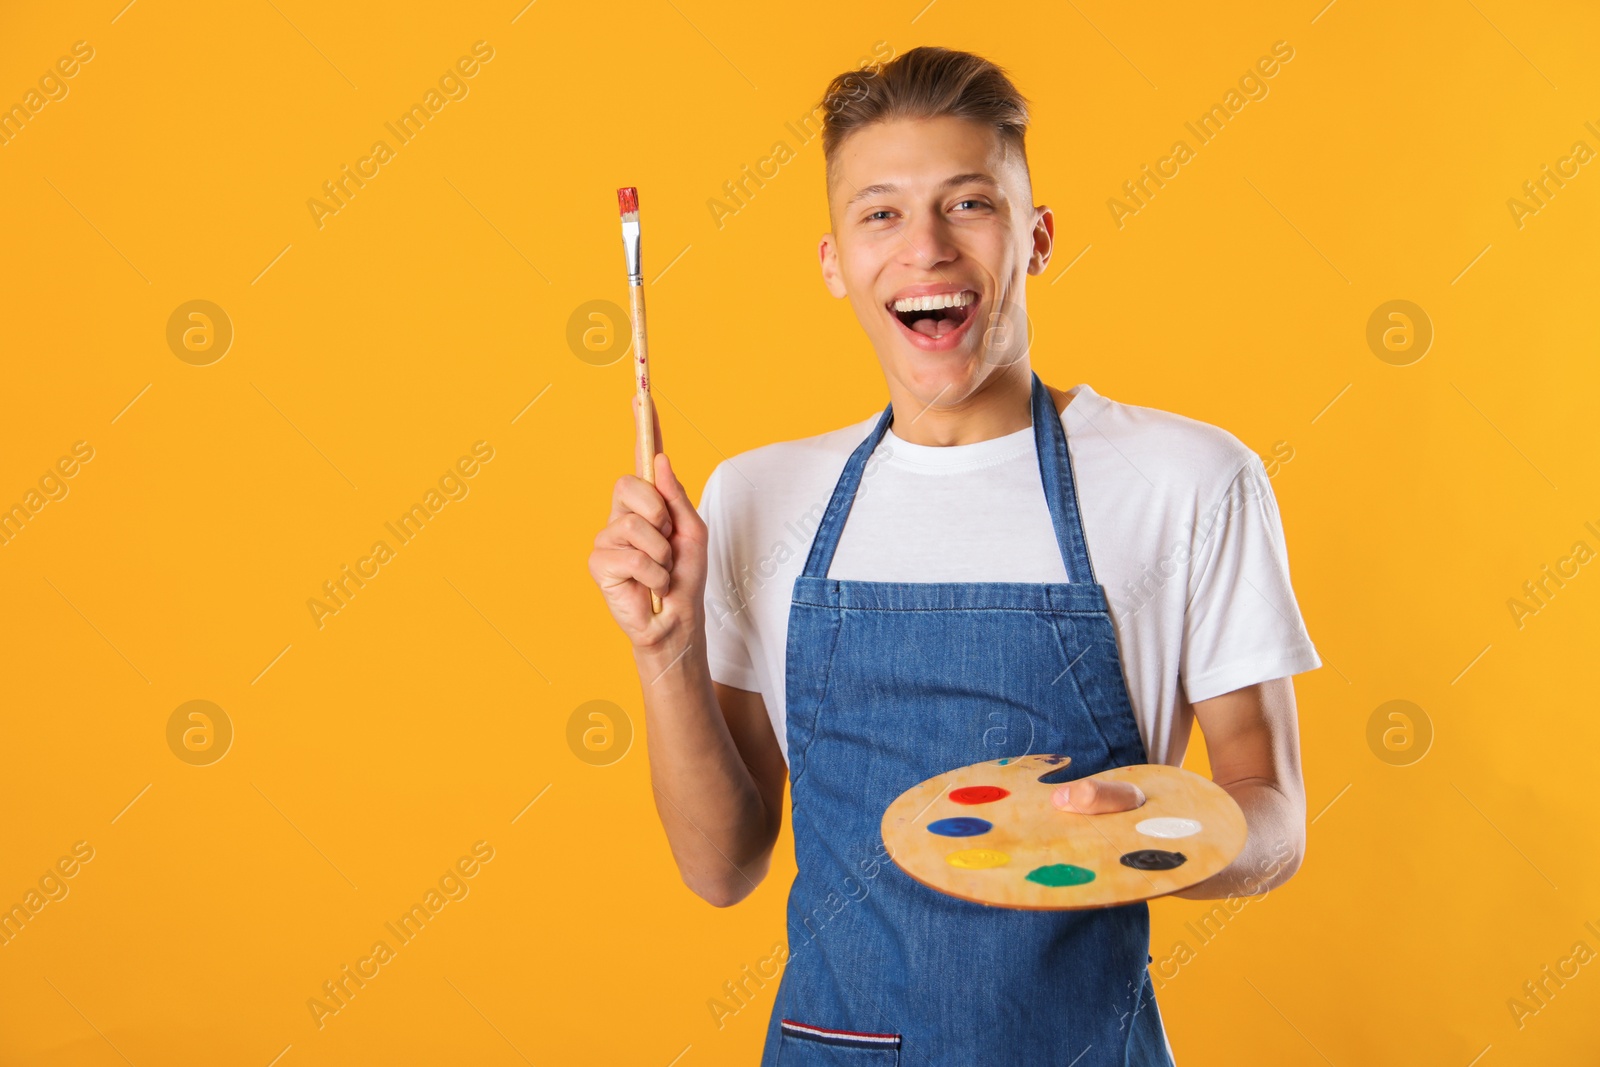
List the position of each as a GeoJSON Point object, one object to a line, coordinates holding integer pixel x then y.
{"type": "Point", "coordinates": [944, 378]}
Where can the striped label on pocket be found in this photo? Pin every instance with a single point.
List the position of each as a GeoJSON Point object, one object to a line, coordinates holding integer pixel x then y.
{"type": "Point", "coordinates": [846, 1038]}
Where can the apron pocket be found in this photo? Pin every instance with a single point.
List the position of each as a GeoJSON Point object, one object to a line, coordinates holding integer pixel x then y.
{"type": "Point", "coordinates": [803, 1045]}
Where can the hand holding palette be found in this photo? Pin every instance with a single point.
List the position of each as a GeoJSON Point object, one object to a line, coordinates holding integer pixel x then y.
{"type": "Point", "coordinates": [989, 833]}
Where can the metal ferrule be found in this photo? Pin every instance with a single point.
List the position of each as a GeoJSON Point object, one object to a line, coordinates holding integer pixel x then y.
{"type": "Point", "coordinates": [630, 245]}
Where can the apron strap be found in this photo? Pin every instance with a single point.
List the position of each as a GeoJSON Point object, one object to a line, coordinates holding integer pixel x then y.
{"type": "Point", "coordinates": [844, 494]}
{"type": "Point", "coordinates": [1060, 488]}
{"type": "Point", "coordinates": [1055, 469]}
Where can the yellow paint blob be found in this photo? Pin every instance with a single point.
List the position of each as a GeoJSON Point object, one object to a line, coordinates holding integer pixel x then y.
{"type": "Point", "coordinates": [976, 859]}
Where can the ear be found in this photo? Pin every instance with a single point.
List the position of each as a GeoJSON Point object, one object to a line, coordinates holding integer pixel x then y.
{"type": "Point", "coordinates": [1044, 239]}
{"type": "Point", "coordinates": [828, 255]}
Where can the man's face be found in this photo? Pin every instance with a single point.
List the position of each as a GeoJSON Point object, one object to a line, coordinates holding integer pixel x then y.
{"type": "Point", "coordinates": [934, 233]}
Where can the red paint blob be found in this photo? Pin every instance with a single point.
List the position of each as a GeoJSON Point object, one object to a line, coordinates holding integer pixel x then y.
{"type": "Point", "coordinates": [978, 794]}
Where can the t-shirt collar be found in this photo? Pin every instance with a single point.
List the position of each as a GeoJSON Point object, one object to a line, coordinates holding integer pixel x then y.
{"type": "Point", "coordinates": [951, 458]}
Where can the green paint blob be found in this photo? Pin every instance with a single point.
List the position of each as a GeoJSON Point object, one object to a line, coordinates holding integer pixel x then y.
{"type": "Point", "coordinates": [1061, 874]}
{"type": "Point", "coordinates": [1005, 761]}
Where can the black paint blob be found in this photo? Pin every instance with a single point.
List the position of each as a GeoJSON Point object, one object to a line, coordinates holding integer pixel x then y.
{"type": "Point", "coordinates": [1154, 859]}
{"type": "Point", "coordinates": [1059, 775]}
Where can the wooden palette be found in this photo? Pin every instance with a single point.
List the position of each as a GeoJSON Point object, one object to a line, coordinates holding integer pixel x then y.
{"type": "Point", "coordinates": [989, 833]}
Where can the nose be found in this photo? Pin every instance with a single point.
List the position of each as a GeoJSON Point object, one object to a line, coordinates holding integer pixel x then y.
{"type": "Point", "coordinates": [928, 240]}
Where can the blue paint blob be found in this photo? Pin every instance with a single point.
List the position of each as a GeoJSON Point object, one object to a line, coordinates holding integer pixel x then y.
{"type": "Point", "coordinates": [960, 826]}
{"type": "Point", "coordinates": [1059, 775]}
{"type": "Point", "coordinates": [1005, 761]}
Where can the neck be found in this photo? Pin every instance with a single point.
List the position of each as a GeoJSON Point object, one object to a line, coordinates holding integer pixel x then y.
{"type": "Point", "coordinates": [1001, 404]}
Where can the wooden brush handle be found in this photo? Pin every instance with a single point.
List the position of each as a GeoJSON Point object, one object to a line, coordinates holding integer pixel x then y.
{"type": "Point", "coordinates": [645, 433]}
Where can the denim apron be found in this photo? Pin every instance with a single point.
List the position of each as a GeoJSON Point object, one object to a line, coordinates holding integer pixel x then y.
{"type": "Point", "coordinates": [892, 683]}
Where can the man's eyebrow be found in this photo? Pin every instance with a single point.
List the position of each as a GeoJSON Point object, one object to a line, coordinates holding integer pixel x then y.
{"type": "Point", "coordinates": [871, 190]}
{"type": "Point", "coordinates": [971, 178]}
{"type": "Point", "coordinates": [974, 178]}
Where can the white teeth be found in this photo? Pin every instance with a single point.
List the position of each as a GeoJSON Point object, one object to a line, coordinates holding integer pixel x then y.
{"type": "Point", "coordinates": [933, 303]}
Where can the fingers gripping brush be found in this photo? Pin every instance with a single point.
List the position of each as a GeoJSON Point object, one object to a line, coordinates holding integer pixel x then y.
{"type": "Point", "coordinates": [628, 201]}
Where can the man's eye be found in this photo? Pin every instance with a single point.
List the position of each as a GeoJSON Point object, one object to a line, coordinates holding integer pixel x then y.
{"type": "Point", "coordinates": [974, 203]}
{"type": "Point", "coordinates": [881, 213]}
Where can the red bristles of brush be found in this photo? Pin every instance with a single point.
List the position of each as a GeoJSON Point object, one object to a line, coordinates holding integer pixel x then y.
{"type": "Point", "coordinates": [628, 201]}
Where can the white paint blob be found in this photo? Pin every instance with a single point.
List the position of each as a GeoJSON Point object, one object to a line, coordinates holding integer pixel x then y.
{"type": "Point", "coordinates": [1168, 828]}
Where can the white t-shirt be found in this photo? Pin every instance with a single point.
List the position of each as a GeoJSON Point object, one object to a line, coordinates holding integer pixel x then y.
{"type": "Point", "coordinates": [1182, 529]}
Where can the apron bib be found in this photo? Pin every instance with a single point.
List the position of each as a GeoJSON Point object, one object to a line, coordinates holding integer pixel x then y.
{"type": "Point", "coordinates": [891, 683]}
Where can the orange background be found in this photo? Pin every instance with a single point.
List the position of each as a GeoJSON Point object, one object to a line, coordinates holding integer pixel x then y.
{"type": "Point", "coordinates": [430, 312]}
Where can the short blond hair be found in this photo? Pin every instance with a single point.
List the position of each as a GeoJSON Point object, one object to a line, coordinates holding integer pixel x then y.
{"type": "Point", "coordinates": [925, 82]}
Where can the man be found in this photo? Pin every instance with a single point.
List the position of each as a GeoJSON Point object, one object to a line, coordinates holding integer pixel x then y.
{"type": "Point", "coordinates": [1022, 570]}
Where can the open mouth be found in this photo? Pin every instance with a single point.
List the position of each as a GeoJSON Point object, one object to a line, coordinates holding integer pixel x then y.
{"type": "Point", "coordinates": [935, 319]}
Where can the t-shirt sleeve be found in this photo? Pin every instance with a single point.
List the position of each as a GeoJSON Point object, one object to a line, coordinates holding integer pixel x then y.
{"type": "Point", "coordinates": [727, 645]}
{"type": "Point", "coordinates": [1242, 624]}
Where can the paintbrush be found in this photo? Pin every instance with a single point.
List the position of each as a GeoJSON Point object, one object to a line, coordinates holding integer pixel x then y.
{"type": "Point", "coordinates": [628, 201]}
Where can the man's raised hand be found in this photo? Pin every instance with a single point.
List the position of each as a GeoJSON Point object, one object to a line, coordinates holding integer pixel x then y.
{"type": "Point", "coordinates": [655, 541]}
